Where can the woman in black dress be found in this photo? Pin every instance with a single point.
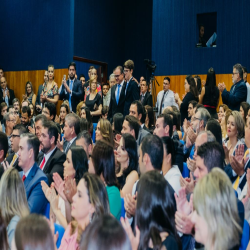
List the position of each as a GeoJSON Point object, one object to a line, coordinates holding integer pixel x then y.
{"type": "Point", "coordinates": [210, 94]}
{"type": "Point", "coordinates": [191, 95]}
{"type": "Point", "coordinates": [94, 101]}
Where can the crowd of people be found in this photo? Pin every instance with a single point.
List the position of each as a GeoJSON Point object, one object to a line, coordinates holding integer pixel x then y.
{"type": "Point", "coordinates": [110, 171]}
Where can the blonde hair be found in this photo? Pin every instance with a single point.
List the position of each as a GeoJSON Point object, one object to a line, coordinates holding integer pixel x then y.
{"type": "Point", "coordinates": [106, 131]}
{"type": "Point", "coordinates": [239, 123]}
{"type": "Point", "coordinates": [215, 201]}
{"type": "Point", "coordinates": [79, 106]}
{"type": "Point", "coordinates": [91, 80]}
{"type": "Point", "coordinates": [13, 196]}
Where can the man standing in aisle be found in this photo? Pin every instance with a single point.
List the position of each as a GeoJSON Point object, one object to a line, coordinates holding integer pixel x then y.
{"type": "Point", "coordinates": [165, 97]}
{"type": "Point", "coordinates": [71, 89]}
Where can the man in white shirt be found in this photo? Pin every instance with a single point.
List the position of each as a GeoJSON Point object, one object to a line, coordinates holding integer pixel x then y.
{"type": "Point", "coordinates": [51, 159]}
{"type": "Point", "coordinates": [165, 97]}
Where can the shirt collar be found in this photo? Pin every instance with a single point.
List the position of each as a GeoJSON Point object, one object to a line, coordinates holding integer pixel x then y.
{"type": "Point", "coordinates": [47, 156]}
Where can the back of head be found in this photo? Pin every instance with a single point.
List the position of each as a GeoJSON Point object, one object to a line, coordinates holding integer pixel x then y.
{"type": "Point", "coordinates": [13, 196]}
{"type": "Point", "coordinates": [84, 124]}
{"type": "Point", "coordinates": [193, 87]}
{"type": "Point", "coordinates": [80, 162]}
{"type": "Point", "coordinates": [33, 232]}
{"type": "Point", "coordinates": [211, 80]}
{"type": "Point", "coordinates": [133, 124]}
{"type": "Point", "coordinates": [213, 155]}
{"type": "Point", "coordinates": [104, 161]}
{"type": "Point", "coordinates": [118, 119]}
{"type": "Point", "coordinates": [26, 109]}
{"type": "Point", "coordinates": [3, 145]}
{"type": "Point", "coordinates": [20, 128]}
{"type": "Point", "coordinates": [152, 145]}
{"type": "Point", "coordinates": [73, 121]}
{"type": "Point", "coordinates": [169, 147]}
{"type": "Point", "coordinates": [106, 130]}
{"type": "Point", "coordinates": [155, 209]}
{"type": "Point", "coordinates": [41, 118]}
{"type": "Point", "coordinates": [214, 126]}
{"type": "Point", "coordinates": [105, 233]}
{"type": "Point", "coordinates": [215, 201]}
{"type": "Point", "coordinates": [86, 136]}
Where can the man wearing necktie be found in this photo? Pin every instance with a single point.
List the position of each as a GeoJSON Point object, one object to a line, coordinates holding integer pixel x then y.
{"type": "Point", "coordinates": [146, 97]}
{"type": "Point", "coordinates": [71, 89]}
{"type": "Point", "coordinates": [6, 95]}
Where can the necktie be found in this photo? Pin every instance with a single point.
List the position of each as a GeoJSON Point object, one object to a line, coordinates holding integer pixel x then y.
{"type": "Point", "coordinates": [42, 164]}
{"type": "Point", "coordinates": [70, 87]}
{"type": "Point", "coordinates": [67, 148]}
{"type": "Point", "coordinates": [13, 160]}
{"type": "Point", "coordinates": [142, 98]}
{"type": "Point", "coordinates": [162, 102]}
{"type": "Point", "coordinates": [6, 99]}
{"type": "Point", "coordinates": [23, 178]}
{"type": "Point", "coordinates": [118, 93]}
{"type": "Point", "coordinates": [236, 183]}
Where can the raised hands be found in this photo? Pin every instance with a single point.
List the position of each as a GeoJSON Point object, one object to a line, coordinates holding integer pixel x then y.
{"type": "Point", "coordinates": [188, 183]}
{"type": "Point", "coordinates": [70, 189]}
{"type": "Point", "coordinates": [134, 239]}
{"type": "Point", "coordinates": [238, 162]}
{"type": "Point", "coordinates": [191, 164]}
{"type": "Point", "coordinates": [182, 203]}
{"type": "Point", "coordinates": [191, 135]}
{"type": "Point", "coordinates": [130, 205]}
{"type": "Point", "coordinates": [59, 185]}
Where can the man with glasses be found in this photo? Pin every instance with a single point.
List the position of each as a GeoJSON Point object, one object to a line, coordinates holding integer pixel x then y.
{"type": "Point", "coordinates": [238, 92]}
{"type": "Point", "coordinates": [12, 158]}
{"type": "Point", "coordinates": [117, 94]}
{"type": "Point", "coordinates": [9, 122]}
{"type": "Point", "coordinates": [132, 92]}
{"type": "Point", "coordinates": [165, 98]}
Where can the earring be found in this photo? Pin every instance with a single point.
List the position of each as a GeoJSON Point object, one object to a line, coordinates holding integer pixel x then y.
{"type": "Point", "coordinates": [90, 217]}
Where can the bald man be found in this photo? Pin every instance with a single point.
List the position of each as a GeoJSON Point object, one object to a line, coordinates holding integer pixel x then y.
{"type": "Point", "coordinates": [6, 95]}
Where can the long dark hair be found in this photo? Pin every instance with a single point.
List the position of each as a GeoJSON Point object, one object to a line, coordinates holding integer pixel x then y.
{"type": "Point", "coordinates": [3, 234]}
{"type": "Point", "coordinates": [89, 118]}
{"type": "Point", "coordinates": [151, 117]}
{"type": "Point", "coordinates": [245, 106]}
{"type": "Point", "coordinates": [168, 144]}
{"type": "Point", "coordinates": [155, 210]}
{"type": "Point", "coordinates": [198, 80]}
{"type": "Point", "coordinates": [118, 119]}
{"type": "Point", "coordinates": [193, 87]}
{"type": "Point", "coordinates": [80, 162]}
{"type": "Point", "coordinates": [131, 148]}
{"type": "Point", "coordinates": [103, 159]}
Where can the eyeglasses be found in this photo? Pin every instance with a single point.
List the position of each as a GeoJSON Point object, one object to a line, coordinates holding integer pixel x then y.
{"type": "Point", "coordinates": [116, 76]}
{"type": "Point", "coordinates": [235, 73]}
{"type": "Point", "coordinates": [11, 120]}
{"type": "Point", "coordinates": [126, 70]}
{"type": "Point", "coordinates": [14, 136]}
{"type": "Point", "coordinates": [196, 118]}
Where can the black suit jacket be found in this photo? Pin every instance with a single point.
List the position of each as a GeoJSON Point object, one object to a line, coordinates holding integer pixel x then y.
{"type": "Point", "coordinates": [12, 96]}
{"type": "Point", "coordinates": [39, 92]}
{"type": "Point", "coordinates": [76, 94]}
{"type": "Point", "coordinates": [147, 100]}
{"type": "Point", "coordinates": [53, 165]}
{"type": "Point", "coordinates": [15, 165]}
{"type": "Point", "coordinates": [132, 94]}
{"type": "Point", "coordinates": [113, 106]}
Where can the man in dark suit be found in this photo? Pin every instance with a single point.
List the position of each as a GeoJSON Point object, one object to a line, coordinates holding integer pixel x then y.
{"type": "Point", "coordinates": [71, 89]}
{"type": "Point", "coordinates": [117, 94]}
{"type": "Point", "coordinates": [6, 95]}
{"type": "Point", "coordinates": [51, 159]}
{"type": "Point", "coordinates": [39, 92]}
{"type": "Point", "coordinates": [132, 92]}
{"type": "Point", "coordinates": [71, 130]}
{"type": "Point", "coordinates": [146, 97]}
{"type": "Point", "coordinates": [238, 91]}
{"type": "Point", "coordinates": [12, 158]}
{"type": "Point", "coordinates": [32, 175]}
{"type": "Point", "coordinates": [138, 111]}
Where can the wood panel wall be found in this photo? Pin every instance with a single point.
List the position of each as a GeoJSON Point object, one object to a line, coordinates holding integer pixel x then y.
{"type": "Point", "coordinates": [177, 82]}
{"type": "Point", "coordinates": [16, 80]}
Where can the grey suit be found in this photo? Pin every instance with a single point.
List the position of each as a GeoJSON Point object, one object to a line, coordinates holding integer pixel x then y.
{"type": "Point", "coordinates": [142, 133]}
{"type": "Point", "coordinates": [66, 147]}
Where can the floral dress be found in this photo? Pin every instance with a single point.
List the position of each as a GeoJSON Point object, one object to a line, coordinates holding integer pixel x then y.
{"type": "Point", "coordinates": [50, 93]}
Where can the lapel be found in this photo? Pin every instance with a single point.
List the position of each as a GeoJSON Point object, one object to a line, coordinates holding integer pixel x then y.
{"type": "Point", "coordinates": [30, 176]}
{"type": "Point", "coordinates": [47, 165]}
{"type": "Point", "coordinates": [40, 158]}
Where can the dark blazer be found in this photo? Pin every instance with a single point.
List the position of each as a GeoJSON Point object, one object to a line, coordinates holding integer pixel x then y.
{"type": "Point", "coordinates": [142, 133]}
{"type": "Point", "coordinates": [131, 94]}
{"type": "Point", "coordinates": [53, 165]}
{"type": "Point", "coordinates": [147, 99]}
{"type": "Point", "coordinates": [65, 143]}
{"type": "Point", "coordinates": [113, 106]}
{"type": "Point", "coordinates": [12, 96]}
{"type": "Point", "coordinates": [39, 92]}
{"type": "Point", "coordinates": [76, 94]}
{"type": "Point", "coordinates": [237, 94]}
{"type": "Point", "coordinates": [35, 196]}
{"type": "Point", "coordinates": [15, 165]}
